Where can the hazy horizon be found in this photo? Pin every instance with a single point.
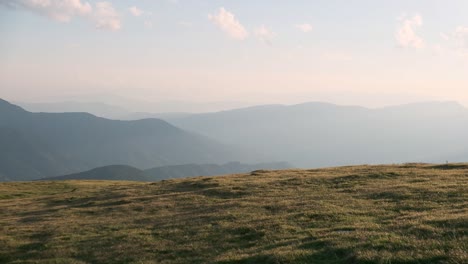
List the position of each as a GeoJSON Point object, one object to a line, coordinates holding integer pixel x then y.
{"type": "Point", "coordinates": [202, 131]}
{"type": "Point", "coordinates": [233, 53]}
{"type": "Point", "coordinates": [163, 107]}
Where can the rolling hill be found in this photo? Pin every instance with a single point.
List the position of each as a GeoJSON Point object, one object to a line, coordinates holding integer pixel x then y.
{"type": "Point", "coordinates": [128, 173]}
{"type": "Point", "coordinates": [109, 173]}
{"type": "Point", "coordinates": [410, 213]}
{"type": "Point", "coordinates": [37, 145]}
{"type": "Point", "coordinates": [191, 170]}
{"type": "Point", "coordinates": [320, 134]}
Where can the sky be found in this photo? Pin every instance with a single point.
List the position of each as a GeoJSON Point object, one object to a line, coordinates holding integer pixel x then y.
{"type": "Point", "coordinates": [364, 52]}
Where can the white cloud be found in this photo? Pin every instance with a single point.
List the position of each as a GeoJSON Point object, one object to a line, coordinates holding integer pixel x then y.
{"type": "Point", "coordinates": [228, 23]}
{"type": "Point", "coordinates": [135, 11]}
{"type": "Point", "coordinates": [457, 40]}
{"type": "Point", "coordinates": [106, 17]}
{"type": "Point", "coordinates": [103, 14]}
{"type": "Point", "coordinates": [461, 37]}
{"type": "Point", "coordinates": [264, 34]}
{"type": "Point", "coordinates": [58, 10]}
{"type": "Point", "coordinates": [305, 27]}
{"type": "Point", "coordinates": [406, 35]}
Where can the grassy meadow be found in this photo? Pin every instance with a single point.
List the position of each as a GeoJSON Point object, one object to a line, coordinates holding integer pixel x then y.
{"type": "Point", "coordinates": [411, 213]}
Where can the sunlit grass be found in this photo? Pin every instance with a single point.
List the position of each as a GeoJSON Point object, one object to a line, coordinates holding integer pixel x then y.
{"type": "Point", "coordinates": [411, 213]}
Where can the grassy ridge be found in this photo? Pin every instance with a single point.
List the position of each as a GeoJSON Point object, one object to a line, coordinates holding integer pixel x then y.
{"type": "Point", "coordinates": [365, 214]}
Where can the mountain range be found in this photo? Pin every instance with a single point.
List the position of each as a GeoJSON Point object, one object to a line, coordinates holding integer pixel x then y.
{"type": "Point", "coordinates": [315, 134]}
{"type": "Point", "coordinates": [319, 134]}
{"type": "Point", "coordinates": [114, 107]}
{"type": "Point", "coordinates": [37, 145]}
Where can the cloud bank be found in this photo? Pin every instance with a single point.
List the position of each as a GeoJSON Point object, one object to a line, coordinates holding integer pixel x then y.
{"type": "Point", "coordinates": [306, 28]}
{"type": "Point", "coordinates": [406, 35]}
{"type": "Point", "coordinates": [264, 34]}
{"type": "Point", "coordinates": [457, 40]}
{"type": "Point", "coordinates": [106, 17]}
{"type": "Point", "coordinates": [103, 14]}
{"type": "Point", "coordinates": [135, 11]}
{"type": "Point", "coordinates": [460, 37]}
{"type": "Point", "coordinates": [228, 23]}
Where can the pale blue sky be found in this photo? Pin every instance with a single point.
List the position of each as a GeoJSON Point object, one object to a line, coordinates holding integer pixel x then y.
{"type": "Point", "coordinates": [348, 52]}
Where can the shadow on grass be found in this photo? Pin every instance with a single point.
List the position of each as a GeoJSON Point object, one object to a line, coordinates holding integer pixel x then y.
{"type": "Point", "coordinates": [83, 202]}
{"type": "Point", "coordinates": [224, 194]}
{"type": "Point", "coordinates": [57, 205]}
{"type": "Point", "coordinates": [252, 260]}
{"type": "Point", "coordinates": [27, 251]}
{"type": "Point", "coordinates": [191, 186]}
{"type": "Point", "coordinates": [449, 167]}
{"type": "Point", "coordinates": [321, 253]}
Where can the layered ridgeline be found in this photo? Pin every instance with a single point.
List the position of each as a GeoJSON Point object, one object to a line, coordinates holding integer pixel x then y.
{"type": "Point", "coordinates": [320, 134]}
{"type": "Point", "coordinates": [98, 109]}
{"type": "Point", "coordinates": [128, 173]}
{"type": "Point", "coordinates": [37, 145]}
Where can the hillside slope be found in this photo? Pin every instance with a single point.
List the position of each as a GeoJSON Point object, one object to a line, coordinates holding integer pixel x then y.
{"type": "Point", "coordinates": [37, 145]}
{"type": "Point", "coordinates": [109, 173]}
{"type": "Point", "coordinates": [191, 170]}
{"type": "Point", "coordinates": [128, 173]}
{"type": "Point", "coordinates": [411, 213]}
{"type": "Point", "coordinates": [319, 134]}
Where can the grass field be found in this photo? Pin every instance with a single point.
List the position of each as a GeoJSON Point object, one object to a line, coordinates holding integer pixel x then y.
{"type": "Point", "coordinates": [411, 213]}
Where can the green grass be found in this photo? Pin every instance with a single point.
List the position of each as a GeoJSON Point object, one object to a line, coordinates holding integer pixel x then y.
{"type": "Point", "coordinates": [412, 213]}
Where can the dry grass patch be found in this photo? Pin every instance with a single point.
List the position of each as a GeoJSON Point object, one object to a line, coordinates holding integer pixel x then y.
{"type": "Point", "coordinates": [412, 213]}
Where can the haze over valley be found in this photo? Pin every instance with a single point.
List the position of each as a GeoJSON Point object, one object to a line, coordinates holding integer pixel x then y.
{"type": "Point", "coordinates": [233, 132]}
{"type": "Point", "coordinates": [309, 135]}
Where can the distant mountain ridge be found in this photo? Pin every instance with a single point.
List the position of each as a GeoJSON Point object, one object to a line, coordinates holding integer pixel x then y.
{"type": "Point", "coordinates": [95, 108]}
{"type": "Point", "coordinates": [122, 109]}
{"type": "Point", "coordinates": [36, 145]}
{"type": "Point", "coordinates": [314, 134]}
{"type": "Point", "coordinates": [320, 134]}
{"type": "Point", "coordinates": [128, 173]}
